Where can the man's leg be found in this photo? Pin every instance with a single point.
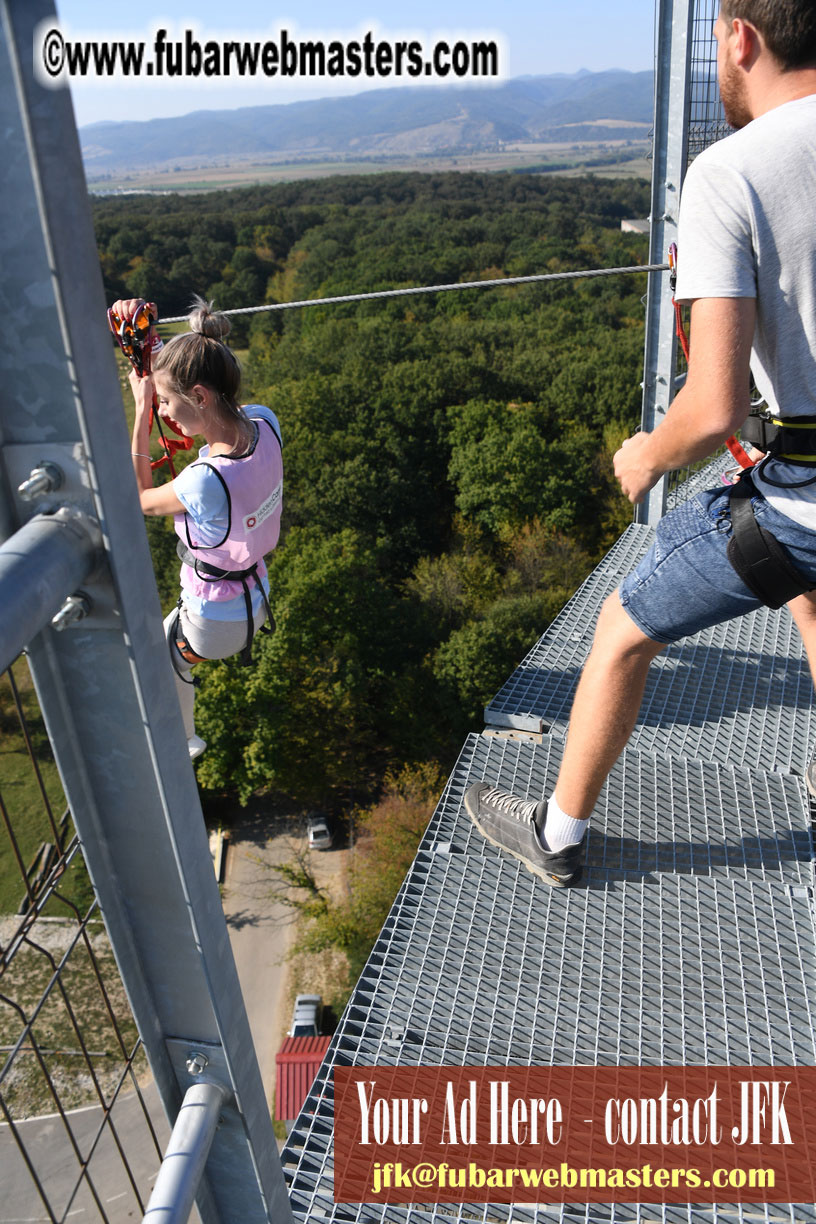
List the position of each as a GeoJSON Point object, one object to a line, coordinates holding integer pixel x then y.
{"type": "Point", "coordinates": [548, 836]}
{"type": "Point", "coordinates": [803, 611]}
{"type": "Point", "coordinates": [605, 708]}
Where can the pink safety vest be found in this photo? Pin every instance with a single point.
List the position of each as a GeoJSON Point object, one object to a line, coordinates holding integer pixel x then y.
{"type": "Point", "coordinates": [254, 489]}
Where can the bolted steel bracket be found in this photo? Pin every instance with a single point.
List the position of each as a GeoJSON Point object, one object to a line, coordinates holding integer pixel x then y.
{"type": "Point", "coordinates": [54, 478]}
{"type": "Point", "coordinates": [192, 1057]}
{"type": "Point", "coordinates": [75, 608]}
{"type": "Point", "coordinates": [36, 471]}
{"type": "Point", "coordinates": [197, 1062]}
{"type": "Point", "coordinates": [46, 477]}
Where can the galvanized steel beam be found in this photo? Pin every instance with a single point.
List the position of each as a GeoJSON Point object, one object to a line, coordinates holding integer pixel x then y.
{"type": "Point", "coordinates": [105, 685]}
{"type": "Point", "coordinates": [672, 93]}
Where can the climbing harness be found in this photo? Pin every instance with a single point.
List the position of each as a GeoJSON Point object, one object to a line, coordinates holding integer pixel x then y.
{"type": "Point", "coordinates": [138, 342]}
{"type": "Point", "coordinates": [791, 439]}
{"type": "Point", "coordinates": [212, 573]}
{"type": "Point", "coordinates": [177, 643]}
{"type": "Point", "coordinates": [763, 564]}
{"type": "Point", "coordinates": [254, 510]}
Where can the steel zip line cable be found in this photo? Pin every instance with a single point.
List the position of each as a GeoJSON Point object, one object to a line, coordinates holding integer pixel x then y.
{"type": "Point", "coordinates": [388, 293]}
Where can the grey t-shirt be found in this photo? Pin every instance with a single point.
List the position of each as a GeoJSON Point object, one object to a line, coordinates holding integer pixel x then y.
{"type": "Point", "coordinates": [748, 229]}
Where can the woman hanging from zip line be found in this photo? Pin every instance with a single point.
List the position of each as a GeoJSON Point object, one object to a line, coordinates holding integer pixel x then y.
{"type": "Point", "coordinates": [226, 506]}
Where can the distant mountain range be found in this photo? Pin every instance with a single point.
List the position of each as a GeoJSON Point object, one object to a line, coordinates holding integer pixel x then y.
{"type": "Point", "coordinates": [587, 106]}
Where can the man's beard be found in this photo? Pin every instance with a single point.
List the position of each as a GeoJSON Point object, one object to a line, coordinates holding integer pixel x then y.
{"type": "Point", "coordinates": [732, 95]}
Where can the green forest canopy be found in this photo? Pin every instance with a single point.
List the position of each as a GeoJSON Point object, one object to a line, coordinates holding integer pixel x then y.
{"type": "Point", "coordinates": [448, 457]}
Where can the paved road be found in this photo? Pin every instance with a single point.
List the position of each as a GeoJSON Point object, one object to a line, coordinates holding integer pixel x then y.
{"type": "Point", "coordinates": [50, 1149]}
{"type": "Point", "coordinates": [261, 934]}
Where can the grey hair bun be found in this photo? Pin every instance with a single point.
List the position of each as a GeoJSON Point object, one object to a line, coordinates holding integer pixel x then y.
{"type": "Point", "coordinates": [206, 321]}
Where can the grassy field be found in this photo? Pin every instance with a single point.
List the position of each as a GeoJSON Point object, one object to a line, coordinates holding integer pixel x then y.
{"type": "Point", "coordinates": [57, 1033]}
{"type": "Point", "coordinates": [28, 787]}
{"type": "Point", "coordinates": [560, 158]}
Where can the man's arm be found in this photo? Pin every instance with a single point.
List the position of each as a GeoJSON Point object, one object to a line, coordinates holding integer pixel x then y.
{"type": "Point", "coordinates": [713, 403]}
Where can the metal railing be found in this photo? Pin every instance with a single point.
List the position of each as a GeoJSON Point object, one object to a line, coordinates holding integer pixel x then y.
{"type": "Point", "coordinates": [77, 593]}
{"type": "Point", "coordinates": [706, 117]}
{"type": "Point", "coordinates": [688, 118]}
{"type": "Point", "coordinates": [67, 1038]}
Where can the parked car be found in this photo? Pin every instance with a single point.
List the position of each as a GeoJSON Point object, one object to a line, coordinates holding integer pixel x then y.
{"type": "Point", "coordinates": [321, 836]}
{"type": "Point", "coordinates": [306, 1016]}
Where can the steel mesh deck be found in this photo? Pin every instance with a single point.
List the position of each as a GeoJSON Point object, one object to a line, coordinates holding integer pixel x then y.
{"type": "Point", "coordinates": [548, 675]}
{"type": "Point", "coordinates": [706, 478]}
{"type": "Point", "coordinates": [656, 816]}
{"type": "Point", "coordinates": [690, 940]}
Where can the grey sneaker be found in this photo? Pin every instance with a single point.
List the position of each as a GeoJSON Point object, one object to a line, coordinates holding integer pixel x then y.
{"type": "Point", "coordinates": [810, 778]}
{"type": "Point", "coordinates": [195, 746]}
{"type": "Point", "coordinates": [509, 823]}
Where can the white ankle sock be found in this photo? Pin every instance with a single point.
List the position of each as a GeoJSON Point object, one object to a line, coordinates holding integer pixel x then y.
{"type": "Point", "coordinates": [560, 830]}
{"type": "Point", "coordinates": [195, 746]}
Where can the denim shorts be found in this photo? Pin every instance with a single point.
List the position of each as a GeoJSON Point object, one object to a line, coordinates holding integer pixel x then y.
{"type": "Point", "coordinates": [686, 583]}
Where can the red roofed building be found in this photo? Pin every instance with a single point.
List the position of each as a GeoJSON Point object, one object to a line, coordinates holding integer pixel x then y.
{"type": "Point", "coordinates": [297, 1063]}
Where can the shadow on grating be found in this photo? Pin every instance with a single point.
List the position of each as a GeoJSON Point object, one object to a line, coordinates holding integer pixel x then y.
{"type": "Point", "coordinates": [685, 971]}
{"type": "Point", "coordinates": [656, 815]}
{"type": "Point", "coordinates": [707, 478]}
{"type": "Point", "coordinates": [660, 967]}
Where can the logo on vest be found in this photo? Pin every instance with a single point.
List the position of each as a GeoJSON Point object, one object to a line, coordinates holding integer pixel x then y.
{"type": "Point", "coordinates": [266, 508]}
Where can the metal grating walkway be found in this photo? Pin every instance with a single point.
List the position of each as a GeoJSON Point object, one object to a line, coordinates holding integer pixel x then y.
{"type": "Point", "coordinates": [691, 939]}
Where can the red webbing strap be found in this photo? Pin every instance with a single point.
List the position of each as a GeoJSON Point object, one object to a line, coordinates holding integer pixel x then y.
{"type": "Point", "coordinates": [739, 454]}
{"type": "Point", "coordinates": [134, 339]}
{"type": "Point", "coordinates": [680, 328]}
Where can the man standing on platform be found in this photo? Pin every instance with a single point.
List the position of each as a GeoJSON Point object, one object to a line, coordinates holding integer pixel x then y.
{"type": "Point", "coordinates": [747, 240]}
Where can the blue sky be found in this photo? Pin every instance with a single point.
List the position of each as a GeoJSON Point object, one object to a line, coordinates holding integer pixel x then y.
{"type": "Point", "coordinates": [536, 38]}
